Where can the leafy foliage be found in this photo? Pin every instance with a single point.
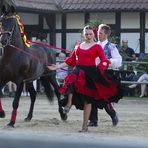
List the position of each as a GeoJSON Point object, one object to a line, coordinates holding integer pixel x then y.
{"type": "Point", "coordinates": [142, 67]}
{"type": "Point", "coordinates": [94, 23]}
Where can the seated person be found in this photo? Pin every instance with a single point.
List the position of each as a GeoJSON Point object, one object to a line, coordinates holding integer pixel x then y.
{"type": "Point", "coordinates": [130, 53]}
{"type": "Point", "coordinates": [143, 78]}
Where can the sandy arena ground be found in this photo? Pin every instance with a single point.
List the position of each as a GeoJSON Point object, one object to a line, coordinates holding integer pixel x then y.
{"type": "Point", "coordinates": [133, 115]}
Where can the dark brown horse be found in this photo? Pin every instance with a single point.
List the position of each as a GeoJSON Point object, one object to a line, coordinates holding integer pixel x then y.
{"type": "Point", "coordinates": [20, 64]}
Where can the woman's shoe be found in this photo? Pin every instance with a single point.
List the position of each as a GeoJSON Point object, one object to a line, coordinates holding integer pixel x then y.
{"type": "Point", "coordinates": [132, 86]}
{"type": "Point", "coordinates": [83, 130]}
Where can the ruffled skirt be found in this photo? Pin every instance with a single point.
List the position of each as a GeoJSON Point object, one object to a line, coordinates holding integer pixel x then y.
{"type": "Point", "coordinates": [89, 84]}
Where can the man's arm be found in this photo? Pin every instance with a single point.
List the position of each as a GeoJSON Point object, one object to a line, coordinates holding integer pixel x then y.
{"type": "Point", "coordinates": [116, 58]}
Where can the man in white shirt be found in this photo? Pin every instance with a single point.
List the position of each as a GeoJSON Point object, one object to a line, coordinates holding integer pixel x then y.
{"type": "Point", "coordinates": [115, 58]}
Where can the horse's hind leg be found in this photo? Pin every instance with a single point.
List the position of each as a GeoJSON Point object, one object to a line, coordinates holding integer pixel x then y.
{"type": "Point", "coordinates": [54, 83]}
{"type": "Point", "coordinates": [30, 88]}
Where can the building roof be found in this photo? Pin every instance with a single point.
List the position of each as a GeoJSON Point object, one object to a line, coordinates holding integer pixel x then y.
{"type": "Point", "coordinates": [36, 5]}
{"type": "Point", "coordinates": [81, 5]}
{"type": "Point", "coordinates": [104, 5]}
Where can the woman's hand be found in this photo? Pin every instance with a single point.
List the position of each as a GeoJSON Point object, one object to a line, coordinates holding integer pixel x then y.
{"type": "Point", "coordinates": [103, 65]}
{"type": "Point", "coordinates": [55, 67]}
{"type": "Point", "coordinates": [52, 67]}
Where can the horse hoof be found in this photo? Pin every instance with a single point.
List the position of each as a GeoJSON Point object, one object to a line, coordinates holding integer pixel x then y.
{"type": "Point", "coordinates": [11, 125]}
{"type": "Point", "coordinates": [63, 116]}
{"type": "Point", "coordinates": [2, 114]}
{"type": "Point", "coordinates": [27, 119]}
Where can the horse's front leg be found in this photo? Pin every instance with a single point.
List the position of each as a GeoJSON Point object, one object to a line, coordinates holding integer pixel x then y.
{"type": "Point", "coordinates": [56, 89]}
{"type": "Point", "coordinates": [15, 105]}
{"type": "Point", "coordinates": [32, 93]}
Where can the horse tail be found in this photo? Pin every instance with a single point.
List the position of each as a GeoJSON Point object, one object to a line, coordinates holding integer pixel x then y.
{"type": "Point", "coordinates": [47, 88]}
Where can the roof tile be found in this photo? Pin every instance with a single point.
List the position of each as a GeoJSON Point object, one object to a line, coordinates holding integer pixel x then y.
{"type": "Point", "coordinates": [81, 5]}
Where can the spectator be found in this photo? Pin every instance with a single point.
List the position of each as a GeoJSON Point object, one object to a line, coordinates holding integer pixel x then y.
{"type": "Point", "coordinates": [61, 73]}
{"type": "Point", "coordinates": [25, 92]}
{"type": "Point", "coordinates": [143, 78]}
{"type": "Point", "coordinates": [130, 53]}
{"type": "Point", "coordinates": [11, 89]}
{"type": "Point", "coordinates": [44, 41]}
{"type": "Point", "coordinates": [38, 83]}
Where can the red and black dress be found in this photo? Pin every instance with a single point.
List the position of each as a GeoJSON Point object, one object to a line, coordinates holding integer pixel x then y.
{"type": "Point", "coordinates": [88, 82]}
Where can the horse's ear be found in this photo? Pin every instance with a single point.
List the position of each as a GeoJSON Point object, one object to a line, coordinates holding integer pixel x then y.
{"type": "Point", "coordinates": [12, 9]}
{"type": "Point", "coordinates": [3, 9]}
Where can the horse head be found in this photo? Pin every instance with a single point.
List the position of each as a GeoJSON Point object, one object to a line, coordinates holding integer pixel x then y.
{"type": "Point", "coordinates": [8, 26]}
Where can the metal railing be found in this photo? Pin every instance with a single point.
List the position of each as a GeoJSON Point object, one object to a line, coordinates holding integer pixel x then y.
{"type": "Point", "coordinates": [133, 63]}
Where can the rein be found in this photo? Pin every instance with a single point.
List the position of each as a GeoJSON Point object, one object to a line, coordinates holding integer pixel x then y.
{"type": "Point", "coordinates": [42, 44]}
{"type": "Point", "coordinates": [27, 42]}
{"type": "Point", "coordinates": [50, 46]}
{"type": "Point", "coordinates": [29, 54]}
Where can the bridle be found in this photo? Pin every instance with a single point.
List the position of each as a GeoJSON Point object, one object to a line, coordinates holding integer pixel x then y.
{"type": "Point", "coordinates": [9, 32]}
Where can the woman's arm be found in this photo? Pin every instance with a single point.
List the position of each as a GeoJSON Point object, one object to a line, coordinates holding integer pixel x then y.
{"type": "Point", "coordinates": [104, 62]}
{"type": "Point", "coordinates": [70, 61]}
{"type": "Point", "coordinates": [57, 66]}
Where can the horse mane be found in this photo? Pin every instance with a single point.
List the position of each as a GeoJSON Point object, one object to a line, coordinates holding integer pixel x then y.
{"type": "Point", "coordinates": [21, 28]}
